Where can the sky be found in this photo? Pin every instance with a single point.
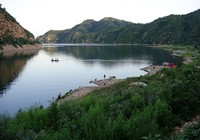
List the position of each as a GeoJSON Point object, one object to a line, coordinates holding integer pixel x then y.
{"type": "Point", "coordinates": [40, 16]}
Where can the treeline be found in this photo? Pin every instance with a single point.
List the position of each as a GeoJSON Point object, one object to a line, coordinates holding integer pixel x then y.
{"type": "Point", "coordinates": [122, 111]}
{"type": "Point", "coordinates": [16, 41]}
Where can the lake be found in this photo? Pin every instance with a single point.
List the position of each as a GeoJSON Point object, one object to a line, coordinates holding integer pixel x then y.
{"type": "Point", "coordinates": [31, 78]}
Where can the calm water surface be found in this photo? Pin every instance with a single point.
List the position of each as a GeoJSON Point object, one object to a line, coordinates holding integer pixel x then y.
{"type": "Point", "coordinates": [31, 78]}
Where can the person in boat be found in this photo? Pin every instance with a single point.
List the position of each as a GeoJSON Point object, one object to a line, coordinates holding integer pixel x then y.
{"type": "Point", "coordinates": [56, 59]}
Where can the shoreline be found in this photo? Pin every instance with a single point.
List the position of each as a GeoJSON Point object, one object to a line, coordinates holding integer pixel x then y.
{"type": "Point", "coordinates": [102, 83]}
{"type": "Point", "coordinates": [151, 70]}
{"type": "Point", "coordinates": [11, 48]}
{"type": "Point", "coordinates": [81, 91]}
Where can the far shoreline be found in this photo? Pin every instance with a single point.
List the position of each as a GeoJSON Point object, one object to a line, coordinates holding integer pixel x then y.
{"type": "Point", "coordinates": [86, 44]}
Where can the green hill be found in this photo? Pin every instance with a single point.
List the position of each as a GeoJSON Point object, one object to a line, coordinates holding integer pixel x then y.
{"type": "Point", "coordinates": [89, 31]}
{"type": "Point", "coordinates": [172, 29]}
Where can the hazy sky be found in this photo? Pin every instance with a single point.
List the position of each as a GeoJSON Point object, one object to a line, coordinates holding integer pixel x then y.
{"type": "Point", "coordinates": [39, 16]}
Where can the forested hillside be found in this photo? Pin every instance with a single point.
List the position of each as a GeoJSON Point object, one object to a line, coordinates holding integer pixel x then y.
{"type": "Point", "coordinates": [172, 29]}
{"type": "Point", "coordinates": [88, 31]}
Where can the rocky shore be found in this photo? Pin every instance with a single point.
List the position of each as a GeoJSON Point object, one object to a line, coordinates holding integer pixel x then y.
{"type": "Point", "coordinates": [7, 48]}
{"type": "Point", "coordinates": [153, 69]}
{"type": "Point", "coordinates": [81, 91]}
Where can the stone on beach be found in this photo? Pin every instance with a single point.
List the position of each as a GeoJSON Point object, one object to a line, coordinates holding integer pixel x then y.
{"type": "Point", "coordinates": [139, 84]}
{"type": "Point", "coordinates": [153, 69]}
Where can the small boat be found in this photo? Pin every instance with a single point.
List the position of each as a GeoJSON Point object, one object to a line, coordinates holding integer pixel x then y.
{"type": "Point", "coordinates": [54, 60]}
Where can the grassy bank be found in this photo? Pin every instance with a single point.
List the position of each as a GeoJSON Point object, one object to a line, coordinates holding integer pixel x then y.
{"type": "Point", "coordinates": [121, 111]}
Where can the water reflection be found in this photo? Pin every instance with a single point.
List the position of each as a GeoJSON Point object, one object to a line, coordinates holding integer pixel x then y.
{"type": "Point", "coordinates": [11, 65]}
{"type": "Point", "coordinates": [110, 55]}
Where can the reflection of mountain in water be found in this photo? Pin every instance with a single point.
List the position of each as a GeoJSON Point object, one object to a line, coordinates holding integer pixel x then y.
{"type": "Point", "coordinates": [109, 53]}
{"type": "Point", "coordinates": [11, 64]}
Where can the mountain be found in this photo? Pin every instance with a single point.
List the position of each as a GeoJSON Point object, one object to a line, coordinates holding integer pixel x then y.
{"type": "Point", "coordinates": [89, 31]}
{"type": "Point", "coordinates": [172, 29]}
{"type": "Point", "coordinates": [12, 35]}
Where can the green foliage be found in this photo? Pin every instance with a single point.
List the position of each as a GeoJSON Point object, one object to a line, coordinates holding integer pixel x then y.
{"type": "Point", "coordinates": [15, 41]}
{"type": "Point", "coordinates": [53, 117]}
{"type": "Point", "coordinates": [6, 127]}
{"type": "Point", "coordinates": [179, 86]}
{"type": "Point", "coordinates": [29, 34]}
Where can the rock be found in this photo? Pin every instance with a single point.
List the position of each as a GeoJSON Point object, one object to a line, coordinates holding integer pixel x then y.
{"type": "Point", "coordinates": [11, 32]}
{"type": "Point", "coordinates": [139, 84]}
